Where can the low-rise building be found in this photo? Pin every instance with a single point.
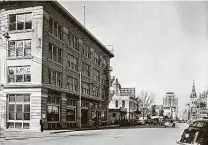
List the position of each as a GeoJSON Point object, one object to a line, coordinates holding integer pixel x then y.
{"type": "Point", "coordinates": [121, 105]}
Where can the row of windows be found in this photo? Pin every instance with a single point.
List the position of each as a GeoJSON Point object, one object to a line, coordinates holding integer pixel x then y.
{"type": "Point", "coordinates": [23, 21]}
{"type": "Point", "coordinates": [123, 103]}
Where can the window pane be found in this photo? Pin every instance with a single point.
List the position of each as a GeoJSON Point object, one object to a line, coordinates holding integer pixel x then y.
{"type": "Point", "coordinates": [19, 116]}
{"type": "Point", "coordinates": [28, 21]}
{"type": "Point", "coordinates": [19, 49]}
{"type": "Point", "coordinates": [11, 107]}
{"type": "Point", "coordinates": [19, 78]}
{"type": "Point", "coordinates": [20, 22]}
{"type": "Point", "coordinates": [19, 98]}
{"type": "Point", "coordinates": [26, 125]}
{"type": "Point", "coordinates": [27, 48]}
{"type": "Point", "coordinates": [26, 108]}
{"type": "Point", "coordinates": [18, 125]}
{"type": "Point", "coordinates": [12, 18]}
{"type": "Point", "coordinates": [27, 78]}
{"type": "Point", "coordinates": [26, 116]}
{"type": "Point", "coordinates": [19, 70]}
{"type": "Point", "coordinates": [10, 124]}
{"type": "Point", "coordinates": [26, 98]}
{"type": "Point", "coordinates": [26, 70]}
{"type": "Point", "coordinates": [11, 116]}
{"type": "Point", "coordinates": [11, 98]}
{"type": "Point", "coordinates": [12, 26]}
{"type": "Point", "coordinates": [11, 51]}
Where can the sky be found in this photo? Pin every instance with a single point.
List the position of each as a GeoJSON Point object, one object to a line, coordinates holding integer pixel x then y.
{"type": "Point", "coordinates": [158, 46]}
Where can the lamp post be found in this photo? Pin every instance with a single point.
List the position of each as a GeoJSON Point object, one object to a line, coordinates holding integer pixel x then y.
{"type": "Point", "coordinates": [6, 36]}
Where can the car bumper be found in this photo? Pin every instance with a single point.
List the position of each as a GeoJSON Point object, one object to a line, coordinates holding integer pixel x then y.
{"type": "Point", "coordinates": [181, 143]}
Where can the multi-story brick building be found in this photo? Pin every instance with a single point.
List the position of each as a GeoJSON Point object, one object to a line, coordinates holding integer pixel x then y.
{"type": "Point", "coordinates": [41, 64]}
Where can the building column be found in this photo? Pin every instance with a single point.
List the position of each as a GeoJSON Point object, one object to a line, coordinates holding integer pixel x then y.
{"type": "Point", "coordinates": [90, 115]}
{"type": "Point", "coordinates": [63, 110]}
{"type": "Point", "coordinates": [78, 114]}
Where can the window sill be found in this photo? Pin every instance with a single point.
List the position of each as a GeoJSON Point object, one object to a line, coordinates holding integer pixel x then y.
{"type": "Point", "coordinates": [15, 58]}
{"type": "Point", "coordinates": [21, 31]}
{"type": "Point", "coordinates": [55, 61]}
{"type": "Point", "coordinates": [73, 49]}
{"type": "Point", "coordinates": [56, 38]}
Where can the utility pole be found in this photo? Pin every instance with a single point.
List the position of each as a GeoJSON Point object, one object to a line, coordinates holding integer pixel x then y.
{"type": "Point", "coordinates": [84, 16]}
{"type": "Point", "coordinates": [80, 99]}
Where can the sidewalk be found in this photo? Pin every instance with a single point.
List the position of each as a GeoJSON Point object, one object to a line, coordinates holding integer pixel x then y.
{"type": "Point", "coordinates": [22, 135]}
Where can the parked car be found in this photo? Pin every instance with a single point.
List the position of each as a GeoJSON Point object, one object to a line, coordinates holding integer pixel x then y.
{"type": "Point", "coordinates": [196, 133]}
{"type": "Point", "coordinates": [169, 123]}
{"type": "Point", "coordinates": [140, 121]}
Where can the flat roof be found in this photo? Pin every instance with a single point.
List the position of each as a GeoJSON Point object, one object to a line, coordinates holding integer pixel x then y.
{"type": "Point", "coordinates": [60, 9]}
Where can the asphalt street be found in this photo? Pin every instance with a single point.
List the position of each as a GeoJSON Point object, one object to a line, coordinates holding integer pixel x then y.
{"type": "Point", "coordinates": [122, 136]}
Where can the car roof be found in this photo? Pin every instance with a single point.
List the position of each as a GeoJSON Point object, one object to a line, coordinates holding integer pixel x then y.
{"type": "Point", "coordinates": [201, 120]}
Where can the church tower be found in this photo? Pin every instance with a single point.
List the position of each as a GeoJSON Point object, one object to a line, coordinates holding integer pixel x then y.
{"type": "Point", "coordinates": [193, 102]}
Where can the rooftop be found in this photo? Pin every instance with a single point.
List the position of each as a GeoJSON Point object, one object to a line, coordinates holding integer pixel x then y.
{"type": "Point", "coordinates": [59, 8]}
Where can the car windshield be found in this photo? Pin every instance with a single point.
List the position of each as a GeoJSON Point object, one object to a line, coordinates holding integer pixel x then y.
{"type": "Point", "coordinates": [200, 124]}
{"type": "Point", "coordinates": [193, 124]}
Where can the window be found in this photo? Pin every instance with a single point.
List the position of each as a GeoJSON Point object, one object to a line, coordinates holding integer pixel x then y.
{"type": "Point", "coordinates": [53, 104]}
{"type": "Point", "coordinates": [71, 102]}
{"type": "Point", "coordinates": [85, 69]}
{"type": "Point", "coordinates": [55, 53]}
{"type": "Point", "coordinates": [73, 62]}
{"type": "Point", "coordinates": [86, 50]}
{"type": "Point", "coordinates": [116, 103]}
{"type": "Point", "coordinates": [18, 110]}
{"type": "Point", "coordinates": [73, 41]}
{"type": "Point", "coordinates": [20, 48]}
{"type": "Point", "coordinates": [20, 21]}
{"type": "Point", "coordinates": [55, 29]}
{"type": "Point", "coordinates": [95, 91]}
{"type": "Point", "coordinates": [96, 75]}
{"type": "Point", "coordinates": [54, 77]}
{"type": "Point", "coordinates": [72, 84]}
{"type": "Point", "coordinates": [85, 88]}
{"type": "Point", "coordinates": [71, 114]}
{"type": "Point", "coordinates": [19, 74]}
{"type": "Point", "coordinates": [104, 63]}
{"type": "Point", "coordinates": [123, 103]}
{"type": "Point", "coordinates": [96, 58]}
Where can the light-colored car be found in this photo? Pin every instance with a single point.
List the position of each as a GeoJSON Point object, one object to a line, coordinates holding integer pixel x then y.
{"type": "Point", "coordinates": [169, 123]}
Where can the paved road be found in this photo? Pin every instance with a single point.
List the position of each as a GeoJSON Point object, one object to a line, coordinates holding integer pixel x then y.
{"type": "Point", "coordinates": [131, 136]}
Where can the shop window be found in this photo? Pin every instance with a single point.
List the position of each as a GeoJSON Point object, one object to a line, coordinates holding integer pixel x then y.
{"type": "Point", "coordinates": [70, 114]}
{"type": "Point", "coordinates": [53, 104]}
{"type": "Point", "coordinates": [18, 111]}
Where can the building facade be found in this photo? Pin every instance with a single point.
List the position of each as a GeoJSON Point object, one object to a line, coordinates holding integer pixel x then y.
{"type": "Point", "coordinates": [123, 104]}
{"type": "Point", "coordinates": [170, 105]}
{"type": "Point", "coordinates": [49, 59]}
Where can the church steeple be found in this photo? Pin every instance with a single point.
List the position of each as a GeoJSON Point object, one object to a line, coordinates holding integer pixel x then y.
{"type": "Point", "coordinates": [193, 93]}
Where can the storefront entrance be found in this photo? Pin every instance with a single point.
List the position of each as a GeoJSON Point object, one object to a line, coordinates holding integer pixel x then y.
{"type": "Point", "coordinates": [84, 117]}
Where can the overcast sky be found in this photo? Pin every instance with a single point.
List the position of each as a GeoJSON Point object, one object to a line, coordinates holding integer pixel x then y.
{"type": "Point", "coordinates": [159, 46]}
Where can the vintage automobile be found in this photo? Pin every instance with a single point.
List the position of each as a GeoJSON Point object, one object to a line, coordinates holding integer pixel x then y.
{"type": "Point", "coordinates": [196, 133]}
{"type": "Point", "coordinates": [169, 123]}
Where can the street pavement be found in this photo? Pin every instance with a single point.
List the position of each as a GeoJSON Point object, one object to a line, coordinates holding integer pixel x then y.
{"type": "Point", "coordinates": [120, 136]}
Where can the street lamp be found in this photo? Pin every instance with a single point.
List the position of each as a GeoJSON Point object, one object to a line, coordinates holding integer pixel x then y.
{"type": "Point", "coordinates": [6, 36]}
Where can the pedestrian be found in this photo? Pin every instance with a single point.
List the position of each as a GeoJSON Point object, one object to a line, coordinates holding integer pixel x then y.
{"type": "Point", "coordinates": [41, 124]}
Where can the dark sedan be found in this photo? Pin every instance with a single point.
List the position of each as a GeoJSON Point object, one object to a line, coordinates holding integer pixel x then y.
{"type": "Point", "coordinates": [196, 133]}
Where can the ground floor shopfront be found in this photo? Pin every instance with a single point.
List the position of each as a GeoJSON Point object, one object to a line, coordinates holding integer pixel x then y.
{"type": "Point", "coordinates": [25, 107]}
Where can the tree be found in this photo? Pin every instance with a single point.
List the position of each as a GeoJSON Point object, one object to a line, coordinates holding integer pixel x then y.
{"type": "Point", "coordinates": [145, 101]}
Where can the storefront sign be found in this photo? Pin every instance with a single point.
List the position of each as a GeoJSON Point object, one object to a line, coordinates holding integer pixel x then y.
{"type": "Point", "coordinates": [123, 109]}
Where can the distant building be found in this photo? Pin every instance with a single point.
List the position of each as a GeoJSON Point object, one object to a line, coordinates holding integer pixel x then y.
{"type": "Point", "coordinates": [192, 106]}
{"type": "Point", "coordinates": [170, 105]}
{"type": "Point", "coordinates": [122, 104]}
